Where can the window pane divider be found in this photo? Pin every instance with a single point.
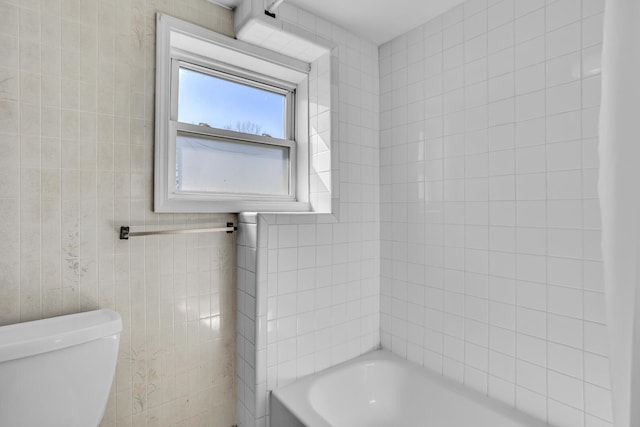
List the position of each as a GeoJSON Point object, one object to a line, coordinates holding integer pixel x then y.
{"type": "Point", "coordinates": [231, 135]}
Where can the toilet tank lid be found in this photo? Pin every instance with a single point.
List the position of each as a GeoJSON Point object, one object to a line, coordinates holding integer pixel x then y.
{"type": "Point", "coordinates": [41, 336]}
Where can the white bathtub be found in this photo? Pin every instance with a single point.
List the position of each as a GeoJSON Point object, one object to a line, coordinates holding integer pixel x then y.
{"type": "Point", "coordinates": [381, 390]}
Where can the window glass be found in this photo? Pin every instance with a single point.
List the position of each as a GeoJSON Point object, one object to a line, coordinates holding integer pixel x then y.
{"type": "Point", "coordinates": [207, 100]}
{"type": "Point", "coordinates": [219, 166]}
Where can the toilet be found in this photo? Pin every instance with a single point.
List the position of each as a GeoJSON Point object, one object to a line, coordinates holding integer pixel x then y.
{"type": "Point", "coordinates": [58, 372]}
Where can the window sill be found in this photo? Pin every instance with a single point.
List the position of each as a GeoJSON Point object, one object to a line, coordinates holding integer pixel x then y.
{"type": "Point", "coordinates": [231, 206]}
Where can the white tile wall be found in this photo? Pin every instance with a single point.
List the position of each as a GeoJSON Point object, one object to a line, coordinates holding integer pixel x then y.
{"type": "Point", "coordinates": [246, 372]}
{"type": "Point", "coordinates": [310, 283]}
{"type": "Point", "coordinates": [76, 150]}
{"type": "Point", "coordinates": [491, 267]}
{"type": "Point", "coordinates": [308, 298]}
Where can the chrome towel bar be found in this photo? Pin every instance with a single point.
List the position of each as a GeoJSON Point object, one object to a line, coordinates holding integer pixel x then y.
{"type": "Point", "coordinates": [125, 233]}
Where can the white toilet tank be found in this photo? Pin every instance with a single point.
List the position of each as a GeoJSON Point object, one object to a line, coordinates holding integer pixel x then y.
{"type": "Point", "coordinates": [57, 372]}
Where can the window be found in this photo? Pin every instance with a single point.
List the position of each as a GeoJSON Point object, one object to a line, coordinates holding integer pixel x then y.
{"type": "Point", "coordinates": [234, 133]}
{"type": "Point", "coordinates": [226, 134]}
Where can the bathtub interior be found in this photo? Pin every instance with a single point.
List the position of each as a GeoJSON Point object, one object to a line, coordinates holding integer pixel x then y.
{"type": "Point", "coordinates": [375, 393]}
{"type": "Point", "coordinates": [382, 390]}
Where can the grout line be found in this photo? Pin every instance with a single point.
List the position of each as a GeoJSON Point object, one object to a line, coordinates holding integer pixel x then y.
{"type": "Point", "coordinates": [515, 221]}
{"type": "Point", "coordinates": [488, 229]}
{"type": "Point", "coordinates": [442, 182]}
{"type": "Point", "coordinates": [464, 201]}
{"type": "Point", "coordinates": [581, 80]}
{"type": "Point", "coordinates": [546, 207]}
{"type": "Point", "coordinates": [19, 123]}
{"type": "Point", "coordinates": [41, 170]}
{"type": "Point", "coordinates": [96, 173]}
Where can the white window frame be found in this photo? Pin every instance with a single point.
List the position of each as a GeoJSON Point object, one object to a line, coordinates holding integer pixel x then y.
{"type": "Point", "coordinates": [180, 44]}
{"type": "Point", "coordinates": [201, 65]}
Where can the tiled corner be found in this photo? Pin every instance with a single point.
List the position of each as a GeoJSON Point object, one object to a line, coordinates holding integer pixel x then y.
{"type": "Point", "coordinates": [311, 282]}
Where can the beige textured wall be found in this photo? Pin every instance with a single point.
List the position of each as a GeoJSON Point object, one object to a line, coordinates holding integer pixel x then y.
{"type": "Point", "coordinates": [76, 161]}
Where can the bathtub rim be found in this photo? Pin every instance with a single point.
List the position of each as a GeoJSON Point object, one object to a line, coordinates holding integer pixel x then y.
{"type": "Point", "coordinates": [290, 394]}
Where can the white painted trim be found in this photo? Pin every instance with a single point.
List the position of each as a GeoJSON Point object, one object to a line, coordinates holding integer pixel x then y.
{"type": "Point", "coordinates": [175, 34]}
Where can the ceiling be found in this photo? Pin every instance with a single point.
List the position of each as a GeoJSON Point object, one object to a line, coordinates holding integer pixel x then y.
{"type": "Point", "coordinates": [376, 20]}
